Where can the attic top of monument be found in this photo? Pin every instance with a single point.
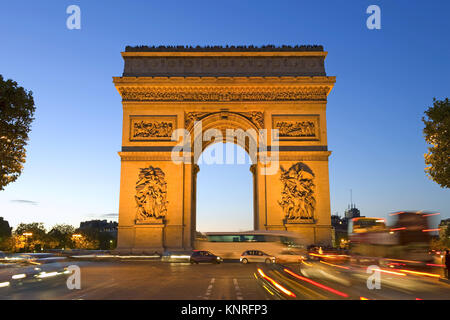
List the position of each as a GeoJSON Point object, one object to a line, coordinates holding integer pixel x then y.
{"type": "Point", "coordinates": [232, 48]}
{"type": "Point", "coordinates": [228, 61]}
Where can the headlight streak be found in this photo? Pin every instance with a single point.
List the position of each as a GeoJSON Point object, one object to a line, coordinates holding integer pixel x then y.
{"type": "Point", "coordinates": [19, 276]}
{"type": "Point", "coordinates": [335, 265]}
{"type": "Point", "coordinates": [276, 284]}
{"type": "Point", "coordinates": [391, 272]}
{"type": "Point", "coordinates": [421, 273]}
{"type": "Point", "coordinates": [46, 275]}
{"type": "Point", "coordinates": [339, 293]}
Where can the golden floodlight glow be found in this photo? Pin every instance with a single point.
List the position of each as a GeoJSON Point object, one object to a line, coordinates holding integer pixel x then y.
{"type": "Point", "coordinates": [76, 235]}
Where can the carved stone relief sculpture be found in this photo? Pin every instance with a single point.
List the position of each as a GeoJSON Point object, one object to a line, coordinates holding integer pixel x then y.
{"type": "Point", "coordinates": [151, 194]}
{"type": "Point", "coordinates": [297, 196]}
{"type": "Point", "coordinates": [152, 128]}
{"type": "Point", "coordinates": [256, 117]}
{"type": "Point", "coordinates": [296, 128]}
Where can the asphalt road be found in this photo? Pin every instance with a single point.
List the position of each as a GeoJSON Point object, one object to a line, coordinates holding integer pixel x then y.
{"type": "Point", "coordinates": [134, 279]}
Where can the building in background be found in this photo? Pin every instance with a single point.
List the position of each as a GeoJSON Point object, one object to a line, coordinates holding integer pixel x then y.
{"type": "Point", "coordinates": [339, 226]}
{"type": "Point", "coordinates": [100, 226]}
{"type": "Point", "coordinates": [102, 231]}
{"type": "Point", "coordinates": [352, 212]}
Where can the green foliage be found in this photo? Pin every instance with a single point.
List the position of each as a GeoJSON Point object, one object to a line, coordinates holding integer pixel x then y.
{"type": "Point", "coordinates": [61, 236]}
{"type": "Point", "coordinates": [16, 115]}
{"type": "Point", "coordinates": [5, 235]}
{"type": "Point", "coordinates": [5, 229]}
{"type": "Point", "coordinates": [36, 228]}
{"type": "Point", "coordinates": [437, 134]}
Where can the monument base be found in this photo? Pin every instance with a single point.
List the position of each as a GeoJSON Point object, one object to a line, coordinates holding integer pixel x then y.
{"type": "Point", "coordinates": [145, 237]}
{"type": "Point", "coordinates": [311, 233]}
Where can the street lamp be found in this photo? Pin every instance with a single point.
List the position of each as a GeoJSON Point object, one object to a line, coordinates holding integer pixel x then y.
{"type": "Point", "coordinates": [28, 236]}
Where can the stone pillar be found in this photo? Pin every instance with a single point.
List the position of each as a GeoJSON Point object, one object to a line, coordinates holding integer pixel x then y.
{"type": "Point", "coordinates": [188, 219]}
{"type": "Point", "coordinates": [253, 169]}
{"type": "Point", "coordinates": [196, 170]}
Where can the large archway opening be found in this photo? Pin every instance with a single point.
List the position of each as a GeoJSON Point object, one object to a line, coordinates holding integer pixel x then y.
{"type": "Point", "coordinates": [225, 190]}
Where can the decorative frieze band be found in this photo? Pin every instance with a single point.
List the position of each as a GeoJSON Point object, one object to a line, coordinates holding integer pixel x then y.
{"type": "Point", "coordinates": [224, 93]}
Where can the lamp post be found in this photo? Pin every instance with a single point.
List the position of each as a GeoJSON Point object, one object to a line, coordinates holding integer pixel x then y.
{"type": "Point", "coordinates": [28, 236]}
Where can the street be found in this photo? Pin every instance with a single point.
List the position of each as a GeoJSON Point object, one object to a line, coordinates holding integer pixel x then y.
{"type": "Point", "coordinates": [156, 280]}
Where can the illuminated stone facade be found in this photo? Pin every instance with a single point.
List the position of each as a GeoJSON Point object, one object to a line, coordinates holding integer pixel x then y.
{"type": "Point", "coordinates": [224, 88]}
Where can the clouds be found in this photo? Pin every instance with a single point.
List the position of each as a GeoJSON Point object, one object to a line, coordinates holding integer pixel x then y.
{"type": "Point", "coordinates": [27, 202]}
{"type": "Point", "coordinates": [104, 216]}
{"type": "Point", "coordinates": [110, 215]}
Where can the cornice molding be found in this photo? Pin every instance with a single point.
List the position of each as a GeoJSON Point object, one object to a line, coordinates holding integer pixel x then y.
{"type": "Point", "coordinates": [287, 80]}
{"type": "Point", "coordinates": [204, 89]}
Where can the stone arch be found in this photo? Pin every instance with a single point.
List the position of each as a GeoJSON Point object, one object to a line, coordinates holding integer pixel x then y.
{"type": "Point", "coordinates": [245, 132]}
{"type": "Point", "coordinates": [226, 88]}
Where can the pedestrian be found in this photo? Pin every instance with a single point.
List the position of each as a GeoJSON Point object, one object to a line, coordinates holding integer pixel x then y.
{"type": "Point", "coordinates": [447, 263]}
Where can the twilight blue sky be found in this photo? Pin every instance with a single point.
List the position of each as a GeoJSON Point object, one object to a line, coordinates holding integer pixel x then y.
{"type": "Point", "coordinates": [385, 80]}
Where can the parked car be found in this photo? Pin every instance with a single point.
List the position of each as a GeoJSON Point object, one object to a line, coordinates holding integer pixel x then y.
{"type": "Point", "coordinates": [256, 256]}
{"type": "Point", "coordinates": [199, 256]}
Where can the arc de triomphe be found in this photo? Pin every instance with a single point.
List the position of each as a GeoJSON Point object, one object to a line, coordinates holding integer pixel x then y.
{"type": "Point", "coordinates": [246, 89]}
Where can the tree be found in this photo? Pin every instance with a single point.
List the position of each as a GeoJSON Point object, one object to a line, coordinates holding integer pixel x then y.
{"type": "Point", "coordinates": [5, 229]}
{"type": "Point", "coordinates": [437, 134]}
{"type": "Point", "coordinates": [16, 115]}
{"type": "Point", "coordinates": [61, 235]}
{"type": "Point", "coordinates": [29, 236]}
{"type": "Point", "coordinates": [5, 235]}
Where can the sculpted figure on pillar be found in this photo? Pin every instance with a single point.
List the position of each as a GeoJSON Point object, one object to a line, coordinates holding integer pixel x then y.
{"type": "Point", "coordinates": [151, 194]}
{"type": "Point", "coordinates": [297, 197]}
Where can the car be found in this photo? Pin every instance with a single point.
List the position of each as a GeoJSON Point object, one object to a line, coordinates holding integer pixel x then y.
{"type": "Point", "coordinates": [176, 256]}
{"type": "Point", "coordinates": [291, 256]}
{"type": "Point", "coordinates": [256, 256]}
{"type": "Point", "coordinates": [199, 256]}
